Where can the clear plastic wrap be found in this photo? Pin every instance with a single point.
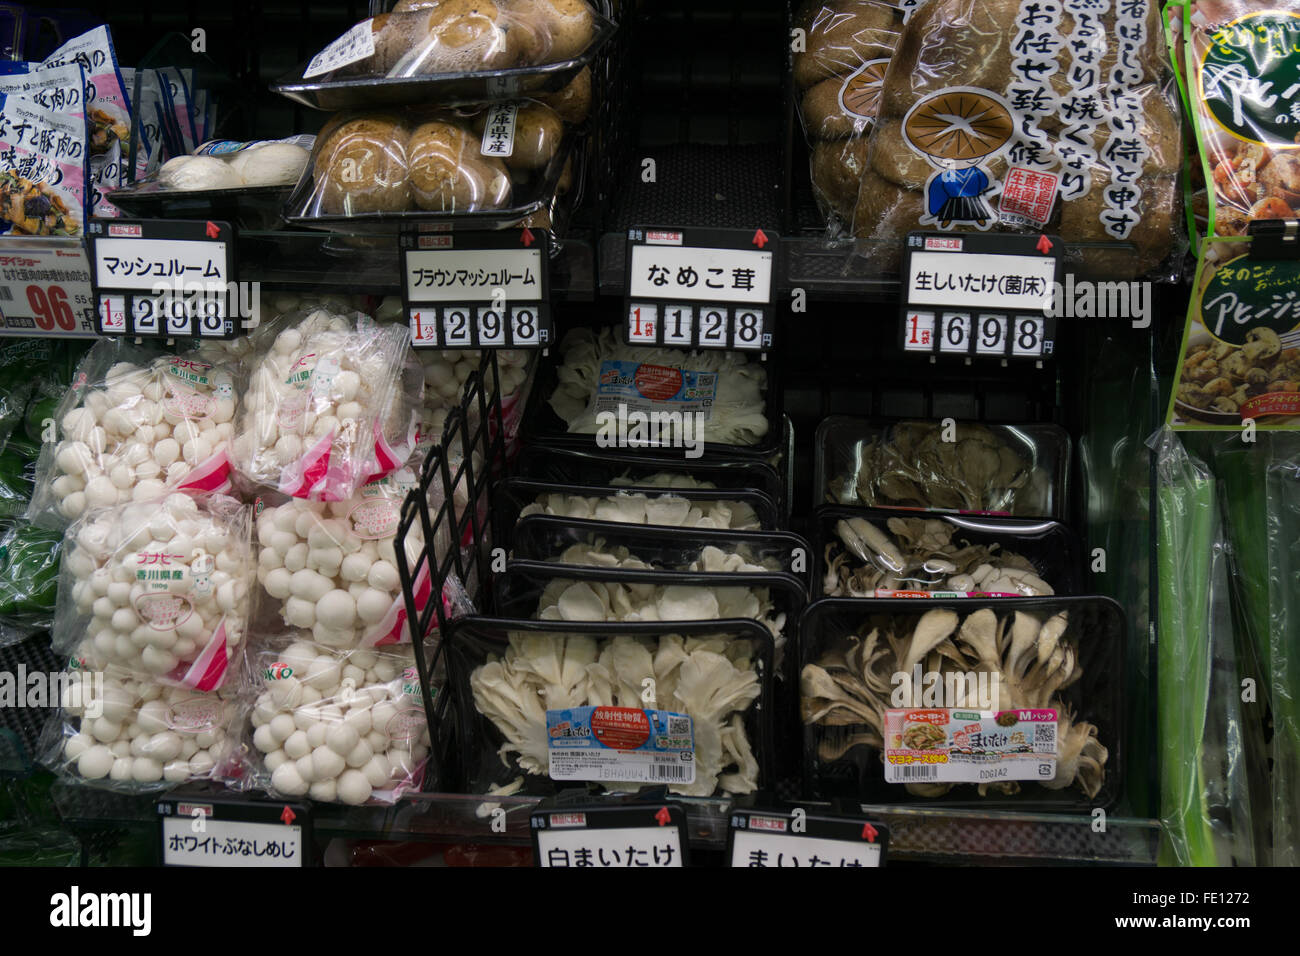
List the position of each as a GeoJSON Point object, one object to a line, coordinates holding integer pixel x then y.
{"type": "Point", "coordinates": [1014, 470]}
{"type": "Point", "coordinates": [29, 580]}
{"type": "Point", "coordinates": [331, 569]}
{"type": "Point", "coordinates": [134, 425]}
{"type": "Point", "coordinates": [431, 161]}
{"type": "Point", "coordinates": [838, 74]}
{"type": "Point", "coordinates": [733, 510]}
{"type": "Point", "coordinates": [883, 554]}
{"type": "Point", "coordinates": [508, 674]}
{"type": "Point", "coordinates": [599, 374]}
{"type": "Point", "coordinates": [1018, 117]}
{"type": "Point", "coordinates": [338, 726]}
{"type": "Point", "coordinates": [135, 735]}
{"type": "Point", "coordinates": [224, 165]}
{"type": "Point", "coordinates": [319, 388]}
{"type": "Point", "coordinates": [1283, 534]}
{"type": "Point", "coordinates": [157, 588]}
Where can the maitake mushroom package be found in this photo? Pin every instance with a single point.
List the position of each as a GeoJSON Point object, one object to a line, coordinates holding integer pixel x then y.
{"type": "Point", "coordinates": [514, 677]}
{"type": "Point", "coordinates": [1020, 115]}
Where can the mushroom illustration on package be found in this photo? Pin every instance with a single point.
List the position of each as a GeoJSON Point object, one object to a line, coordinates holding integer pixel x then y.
{"type": "Point", "coordinates": [959, 131]}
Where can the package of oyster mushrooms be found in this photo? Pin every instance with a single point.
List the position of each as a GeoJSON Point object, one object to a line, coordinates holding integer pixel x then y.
{"type": "Point", "coordinates": [1017, 471]}
{"type": "Point", "coordinates": [338, 726]}
{"type": "Point", "coordinates": [131, 734]}
{"type": "Point", "coordinates": [687, 703]}
{"type": "Point", "coordinates": [157, 588]}
{"type": "Point", "coordinates": [734, 510]}
{"type": "Point", "coordinates": [550, 592]}
{"type": "Point", "coordinates": [602, 544]}
{"type": "Point", "coordinates": [320, 388]}
{"type": "Point", "coordinates": [453, 51]}
{"type": "Point", "coordinates": [605, 391]}
{"type": "Point", "coordinates": [485, 166]}
{"type": "Point", "coordinates": [878, 553]}
{"type": "Point", "coordinates": [135, 424]}
{"type": "Point", "coordinates": [837, 75]}
{"type": "Point", "coordinates": [1016, 703]}
{"type": "Point", "coordinates": [1014, 116]}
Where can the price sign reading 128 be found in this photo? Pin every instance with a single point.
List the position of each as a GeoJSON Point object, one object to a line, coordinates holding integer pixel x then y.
{"type": "Point", "coordinates": [701, 288]}
{"type": "Point", "coordinates": [978, 295]}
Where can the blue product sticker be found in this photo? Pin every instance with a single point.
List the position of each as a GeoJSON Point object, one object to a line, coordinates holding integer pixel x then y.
{"type": "Point", "coordinates": [621, 744]}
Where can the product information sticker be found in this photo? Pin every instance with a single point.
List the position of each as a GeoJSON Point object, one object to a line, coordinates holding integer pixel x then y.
{"type": "Point", "coordinates": [620, 743]}
{"type": "Point", "coordinates": [655, 388]}
{"type": "Point", "coordinates": [1240, 358]}
{"type": "Point", "coordinates": [938, 745]}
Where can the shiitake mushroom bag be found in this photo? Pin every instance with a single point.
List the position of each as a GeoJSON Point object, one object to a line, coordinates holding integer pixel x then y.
{"type": "Point", "coordinates": [1028, 116]}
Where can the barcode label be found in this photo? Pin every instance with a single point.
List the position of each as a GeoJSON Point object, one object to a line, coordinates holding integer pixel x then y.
{"type": "Point", "coordinates": [674, 772]}
{"type": "Point", "coordinates": [6, 294]}
{"type": "Point", "coordinates": [918, 771]}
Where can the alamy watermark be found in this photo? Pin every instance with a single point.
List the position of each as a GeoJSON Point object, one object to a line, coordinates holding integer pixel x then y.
{"type": "Point", "coordinates": [626, 427]}
{"type": "Point", "coordinates": [1084, 299]}
{"type": "Point", "coordinates": [975, 690]}
{"type": "Point", "coordinates": [81, 691]}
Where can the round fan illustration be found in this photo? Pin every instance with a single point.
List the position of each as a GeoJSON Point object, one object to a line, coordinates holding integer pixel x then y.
{"type": "Point", "coordinates": [956, 130]}
{"type": "Point", "coordinates": [860, 94]}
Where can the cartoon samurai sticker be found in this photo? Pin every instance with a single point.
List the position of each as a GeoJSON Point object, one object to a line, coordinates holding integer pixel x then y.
{"type": "Point", "coordinates": [958, 131]}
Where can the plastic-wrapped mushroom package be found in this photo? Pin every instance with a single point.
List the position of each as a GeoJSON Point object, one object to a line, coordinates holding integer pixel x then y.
{"type": "Point", "coordinates": [320, 389]}
{"type": "Point", "coordinates": [713, 681]}
{"type": "Point", "coordinates": [133, 426]}
{"type": "Point", "coordinates": [157, 588]}
{"type": "Point", "coordinates": [230, 165]}
{"type": "Point", "coordinates": [423, 37]}
{"type": "Point", "coordinates": [599, 374]}
{"type": "Point", "coordinates": [637, 508]}
{"type": "Point", "coordinates": [445, 161]}
{"type": "Point", "coordinates": [847, 45]}
{"type": "Point", "coordinates": [337, 726]}
{"type": "Point", "coordinates": [135, 734]}
{"type": "Point", "coordinates": [598, 553]}
{"type": "Point", "coordinates": [881, 558]}
{"type": "Point", "coordinates": [333, 567]}
{"type": "Point", "coordinates": [1012, 116]}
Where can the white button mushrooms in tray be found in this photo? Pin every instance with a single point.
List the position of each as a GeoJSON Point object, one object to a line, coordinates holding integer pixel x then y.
{"type": "Point", "coordinates": [508, 673]}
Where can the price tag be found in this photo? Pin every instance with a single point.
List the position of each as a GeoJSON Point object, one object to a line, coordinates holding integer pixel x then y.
{"type": "Point", "coordinates": [760, 838]}
{"type": "Point", "coordinates": [45, 288]}
{"type": "Point", "coordinates": [224, 831]}
{"type": "Point", "coordinates": [707, 288]}
{"type": "Point", "coordinates": [622, 835]}
{"type": "Point", "coordinates": [167, 279]}
{"type": "Point", "coordinates": [973, 291]}
{"type": "Point", "coordinates": [467, 289]}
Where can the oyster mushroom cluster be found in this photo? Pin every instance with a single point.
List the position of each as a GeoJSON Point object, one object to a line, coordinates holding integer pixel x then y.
{"type": "Point", "coordinates": [597, 553]}
{"type": "Point", "coordinates": [712, 679]}
{"type": "Point", "coordinates": [919, 554]}
{"type": "Point", "coordinates": [849, 688]}
{"type": "Point", "coordinates": [1220, 377]}
{"type": "Point", "coordinates": [636, 508]}
{"type": "Point", "coordinates": [911, 465]}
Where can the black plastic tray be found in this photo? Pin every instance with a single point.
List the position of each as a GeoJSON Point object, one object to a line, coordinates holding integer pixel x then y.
{"type": "Point", "coordinates": [1097, 697]}
{"type": "Point", "coordinates": [542, 424]}
{"type": "Point", "coordinates": [1051, 547]}
{"type": "Point", "coordinates": [575, 466]}
{"type": "Point", "coordinates": [536, 193]}
{"type": "Point", "coordinates": [247, 207]}
{"type": "Point", "coordinates": [445, 89]}
{"type": "Point", "coordinates": [840, 438]}
{"type": "Point", "coordinates": [470, 640]}
{"type": "Point", "coordinates": [512, 495]}
{"type": "Point", "coordinates": [546, 537]}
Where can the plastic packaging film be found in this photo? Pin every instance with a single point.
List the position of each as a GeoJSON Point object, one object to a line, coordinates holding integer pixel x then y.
{"type": "Point", "coordinates": [1284, 647]}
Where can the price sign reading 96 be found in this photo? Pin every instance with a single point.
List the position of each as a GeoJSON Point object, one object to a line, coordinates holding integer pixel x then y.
{"type": "Point", "coordinates": [979, 295]}
{"type": "Point", "coordinates": [474, 289]}
{"type": "Point", "coordinates": [45, 289]}
{"type": "Point", "coordinates": [701, 288]}
{"type": "Point", "coordinates": [167, 279]}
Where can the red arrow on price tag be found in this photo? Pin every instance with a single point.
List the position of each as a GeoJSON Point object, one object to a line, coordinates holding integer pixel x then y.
{"type": "Point", "coordinates": [288, 816]}
{"type": "Point", "coordinates": [663, 816]}
{"type": "Point", "coordinates": [869, 833]}
{"type": "Point", "coordinates": [1044, 245]}
{"type": "Point", "coordinates": [213, 230]}
{"type": "Point", "coordinates": [526, 237]}
{"type": "Point", "coordinates": [759, 239]}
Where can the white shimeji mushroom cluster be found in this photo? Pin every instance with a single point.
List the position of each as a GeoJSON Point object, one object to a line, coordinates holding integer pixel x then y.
{"type": "Point", "coordinates": [138, 732]}
{"type": "Point", "coordinates": [338, 726]}
{"type": "Point", "coordinates": [149, 586]}
{"type": "Point", "coordinates": [145, 428]}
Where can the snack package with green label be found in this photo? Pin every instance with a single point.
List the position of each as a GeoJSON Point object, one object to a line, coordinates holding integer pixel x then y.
{"type": "Point", "coordinates": [29, 581]}
{"type": "Point", "coordinates": [1240, 357]}
{"type": "Point", "coordinates": [338, 726]}
{"type": "Point", "coordinates": [1015, 116]}
{"type": "Point", "coordinates": [1243, 78]}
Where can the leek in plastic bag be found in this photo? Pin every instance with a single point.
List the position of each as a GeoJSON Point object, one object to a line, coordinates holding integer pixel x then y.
{"type": "Point", "coordinates": [1284, 648]}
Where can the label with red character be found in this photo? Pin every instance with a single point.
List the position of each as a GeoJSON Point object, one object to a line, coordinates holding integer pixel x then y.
{"type": "Point", "coordinates": [621, 744]}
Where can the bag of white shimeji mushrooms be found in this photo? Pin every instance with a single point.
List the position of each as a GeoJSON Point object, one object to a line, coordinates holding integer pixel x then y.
{"type": "Point", "coordinates": [320, 389]}
{"type": "Point", "coordinates": [133, 734]}
{"type": "Point", "coordinates": [134, 425]}
{"type": "Point", "coordinates": [337, 726]}
{"type": "Point", "coordinates": [157, 588]}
